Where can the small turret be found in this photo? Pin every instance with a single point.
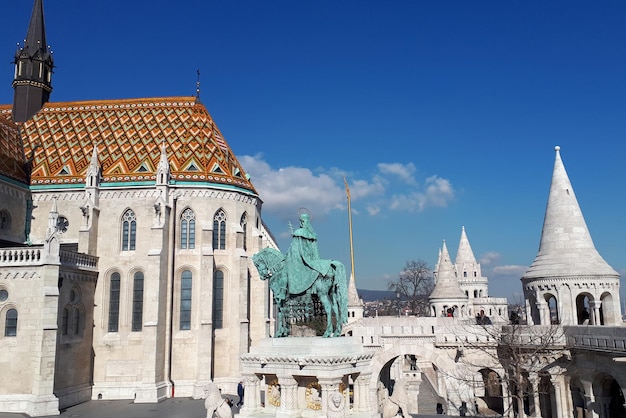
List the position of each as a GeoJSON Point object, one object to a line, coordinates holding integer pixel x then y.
{"type": "Point", "coordinates": [447, 298]}
{"type": "Point", "coordinates": [470, 277]}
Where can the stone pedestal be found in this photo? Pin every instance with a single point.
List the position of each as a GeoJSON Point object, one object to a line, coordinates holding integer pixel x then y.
{"type": "Point", "coordinates": [306, 377]}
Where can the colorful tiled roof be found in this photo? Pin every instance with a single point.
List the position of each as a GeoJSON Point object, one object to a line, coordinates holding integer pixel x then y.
{"type": "Point", "coordinates": [129, 135]}
{"type": "Point", "coordinates": [12, 161]}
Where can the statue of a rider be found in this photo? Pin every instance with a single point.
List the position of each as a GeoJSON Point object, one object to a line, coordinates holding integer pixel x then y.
{"type": "Point", "coordinates": [303, 261]}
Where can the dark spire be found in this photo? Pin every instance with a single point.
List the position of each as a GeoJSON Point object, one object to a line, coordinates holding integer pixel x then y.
{"type": "Point", "coordinates": [198, 87]}
{"type": "Point", "coordinates": [33, 69]}
{"type": "Point", "coordinates": [36, 37]}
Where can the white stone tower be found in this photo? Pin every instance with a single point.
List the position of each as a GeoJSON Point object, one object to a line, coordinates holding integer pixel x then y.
{"type": "Point", "coordinates": [471, 280]}
{"type": "Point", "coordinates": [569, 282]}
{"type": "Point", "coordinates": [447, 293]}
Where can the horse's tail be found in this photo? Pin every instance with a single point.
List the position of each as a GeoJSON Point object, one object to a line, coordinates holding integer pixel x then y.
{"type": "Point", "coordinates": [341, 297]}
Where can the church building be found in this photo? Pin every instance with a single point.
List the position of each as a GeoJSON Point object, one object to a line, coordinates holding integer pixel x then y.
{"type": "Point", "coordinates": [126, 230]}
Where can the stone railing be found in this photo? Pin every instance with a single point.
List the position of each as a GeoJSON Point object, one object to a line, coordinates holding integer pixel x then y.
{"type": "Point", "coordinates": [78, 260]}
{"type": "Point", "coordinates": [33, 256]}
{"type": "Point", "coordinates": [450, 332]}
{"type": "Point", "coordinates": [475, 335]}
{"type": "Point", "coordinates": [596, 338]}
{"type": "Point", "coordinates": [26, 256]}
{"type": "Point", "coordinates": [548, 336]}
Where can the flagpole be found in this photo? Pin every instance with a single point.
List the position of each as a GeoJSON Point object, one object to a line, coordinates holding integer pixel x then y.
{"type": "Point", "coordinates": [350, 224]}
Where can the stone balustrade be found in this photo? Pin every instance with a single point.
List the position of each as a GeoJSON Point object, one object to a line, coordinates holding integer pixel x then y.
{"type": "Point", "coordinates": [32, 256]}
{"type": "Point", "coordinates": [443, 332]}
{"type": "Point", "coordinates": [596, 338]}
{"type": "Point", "coordinates": [78, 260]}
{"type": "Point", "coordinates": [26, 256]}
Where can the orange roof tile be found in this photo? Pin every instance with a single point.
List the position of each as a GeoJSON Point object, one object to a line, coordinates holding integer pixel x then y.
{"type": "Point", "coordinates": [12, 161]}
{"type": "Point", "coordinates": [129, 134]}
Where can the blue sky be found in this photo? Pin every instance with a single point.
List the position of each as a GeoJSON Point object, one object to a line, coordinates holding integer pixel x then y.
{"type": "Point", "coordinates": [439, 114]}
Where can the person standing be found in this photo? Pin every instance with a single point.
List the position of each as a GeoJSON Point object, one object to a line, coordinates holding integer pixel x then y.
{"type": "Point", "coordinates": [240, 391]}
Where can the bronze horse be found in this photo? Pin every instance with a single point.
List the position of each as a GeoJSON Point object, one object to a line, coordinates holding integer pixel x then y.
{"type": "Point", "coordinates": [331, 289]}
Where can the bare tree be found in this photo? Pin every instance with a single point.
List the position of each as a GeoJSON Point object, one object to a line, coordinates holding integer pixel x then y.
{"type": "Point", "coordinates": [415, 284]}
{"type": "Point", "coordinates": [515, 359]}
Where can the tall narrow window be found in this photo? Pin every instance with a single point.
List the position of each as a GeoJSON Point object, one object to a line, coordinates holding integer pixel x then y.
{"type": "Point", "coordinates": [219, 230]}
{"type": "Point", "coordinates": [76, 321]}
{"type": "Point", "coordinates": [64, 321]}
{"type": "Point", "coordinates": [10, 324]}
{"type": "Point", "coordinates": [137, 302]}
{"type": "Point", "coordinates": [114, 302]}
{"type": "Point", "coordinates": [218, 299]}
{"type": "Point", "coordinates": [185, 300]}
{"type": "Point", "coordinates": [129, 230]}
{"type": "Point", "coordinates": [244, 226]}
{"type": "Point", "coordinates": [188, 229]}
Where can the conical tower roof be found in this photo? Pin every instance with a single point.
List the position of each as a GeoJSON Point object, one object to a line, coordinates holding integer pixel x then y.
{"type": "Point", "coordinates": [353, 294]}
{"type": "Point", "coordinates": [447, 286]}
{"type": "Point", "coordinates": [35, 41]}
{"type": "Point", "coordinates": [566, 248]}
{"type": "Point", "coordinates": [464, 255]}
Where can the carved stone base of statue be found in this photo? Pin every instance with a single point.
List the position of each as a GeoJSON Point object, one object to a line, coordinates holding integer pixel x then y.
{"type": "Point", "coordinates": [307, 377]}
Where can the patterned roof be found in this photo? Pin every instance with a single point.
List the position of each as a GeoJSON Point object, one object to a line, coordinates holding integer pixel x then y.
{"type": "Point", "coordinates": [128, 135]}
{"type": "Point", "coordinates": [12, 161]}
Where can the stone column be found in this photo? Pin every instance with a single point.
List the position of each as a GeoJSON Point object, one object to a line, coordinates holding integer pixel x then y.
{"type": "Point", "coordinates": [529, 316]}
{"type": "Point", "coordinates": [544, 313]}
{"type": "Point", "coordinates": [590, 400]}
{"type": "Point", "coordinates": [533, 407]}
{"type": "Point", "coordinates": [595, 305]}
{"type": "Point", "coordinates": [562, 391]}
{"type": "Point", "coordinates": [412, 390]}
{"type": "Point", "coordinates": [288, 397]}
{"type": "Point", "coordinates": [329, 386]}
{"type": "Point", "coordinates": [361, 390]}
{"type": "Point", "coordinates": [252, 396]}
{"type": "Point", "coordinates": [556, 381]}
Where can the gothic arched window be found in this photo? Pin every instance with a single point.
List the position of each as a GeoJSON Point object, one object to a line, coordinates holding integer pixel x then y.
{"type": "Point", "coordinates": [114, 302]}
{"type": "Point", "coordinates": [137, 302]}
{"type": "Point", "coordinates": [188, 229]}
{"type": "Point", "coordinates": [185, 300]}
{"type": "Point", "coordinates": [65, 321]}
{"type": "Point", "coordinates": [218, 299]}
{"type": "Point", "coordinates": [129, 230]}
{"type": "Point", "coordinates": [244, 226]}
{"type": "Point", "coordinates": [10, 324]}
{"type": "Point", "coordinates": [219, 230]}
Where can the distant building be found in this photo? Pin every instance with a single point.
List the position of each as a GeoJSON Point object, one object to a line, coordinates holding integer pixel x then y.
{"type": "Point", "coordinates": [461, 290]}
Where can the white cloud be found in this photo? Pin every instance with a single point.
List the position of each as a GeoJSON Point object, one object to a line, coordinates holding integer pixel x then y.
{"type": "Point", "coordinates": [438, 193]}
{"type": "Point", "coordinates": [510, 270]}
{"type": "Point", "coordinates": [360, 189]}
{"type": "Point", "coordinates": [404, 171]}
{"type": "Point", "coordinates": [489, 261]}
{"type": "Point", "coordinates": [489, 258]}
{"type": "Point", "coordinates": [373, 210]}
{"type": "Point", "coordinates": [284, 191]}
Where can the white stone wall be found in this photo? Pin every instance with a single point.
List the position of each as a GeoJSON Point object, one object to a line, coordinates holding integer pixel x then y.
{"type": "Point", "coordinates": [144, 365]}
